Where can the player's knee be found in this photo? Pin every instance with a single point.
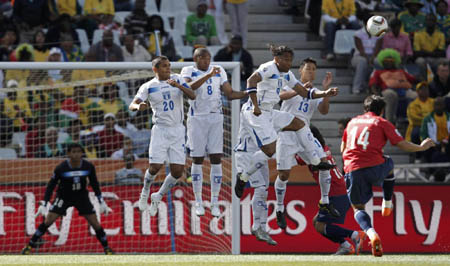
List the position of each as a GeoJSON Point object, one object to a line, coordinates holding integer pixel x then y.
{"type": "Point", "coordinates": [283, 175]}
{"type": "Point", "coordinates": [358, 207]}
{"type": "Point", "coordinates": [297, 124]}
{"type": "Point", "coordinates": [319, 226]}
{"type": "Point", "coordinates": [269, 149]}
{"type": "Point", "coordinates": [324, 160]}
{"type": "Point", "coordinates": [153, 169]}
{"type": "Point", "coordinates": [215, 158]}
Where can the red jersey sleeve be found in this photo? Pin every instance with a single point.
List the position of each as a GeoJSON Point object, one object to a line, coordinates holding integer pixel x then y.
{"type": "Point", "coordinates": [391, 132]}
{"type": "Point", "coordinates": [374, 78]}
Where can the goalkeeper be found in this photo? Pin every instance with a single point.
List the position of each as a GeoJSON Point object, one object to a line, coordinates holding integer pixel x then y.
{"type": "Point", "coordinates": [71, 176]}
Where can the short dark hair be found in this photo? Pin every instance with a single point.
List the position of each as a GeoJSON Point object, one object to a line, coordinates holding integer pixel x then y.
{"type": "Point", "coordinates": [374, 103]}
{"type": "Point", "coordinates": [317, 135]}
{"type": "Point", "coordinates": [158, 60]}
{"type": "Point", "coordinates": [280, 50]}
{"type": "Point", "coordinates": [442, 1]}
{"type": "Point", "coordinates": [201, 51]}
{"type": "Point", "coordinates": [344, 121]}
{"type": "Point", "coordinates": [443, 63]}
{"type": "Point", "coordinates": [307, 61]}
{"type": "Point", "coordinates": [74, 145]}
{"type": "Point", "coordinates": [395, 22]}
{"type": "Point", "coordinates": [236, 38]}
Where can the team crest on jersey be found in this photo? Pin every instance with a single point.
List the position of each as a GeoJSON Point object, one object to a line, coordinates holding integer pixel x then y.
{"type": "Point", "coordinates": [166, 95]}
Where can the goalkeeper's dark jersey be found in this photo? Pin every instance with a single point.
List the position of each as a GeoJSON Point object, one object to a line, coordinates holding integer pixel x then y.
{"type": "Point", "coordinates": [72, 181]}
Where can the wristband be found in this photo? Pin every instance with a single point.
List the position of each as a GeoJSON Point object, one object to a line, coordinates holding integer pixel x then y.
{"type": "Point", "coordinates": [251, 89]}
{"type": "Point", "coordinates": [310, 93]}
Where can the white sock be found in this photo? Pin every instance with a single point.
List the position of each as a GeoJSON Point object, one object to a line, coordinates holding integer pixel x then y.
{"type": "Point", "coordinates": [280, 191]}
{"type": "Point", "coordinates": [371, 233]}
{"type": "Point", "coordinates": [387, 203]}
{"type": "Point", "coordinates": [216, 181]}
{"type": "Point", "coordinates": [148, 180]}
{"type": "Point", "coordinates": [346, 244]}
{"type": "Point", "coordinates": [169, 182]}
{"type": "Point", "coordinates": [259, 208]}
{"type": "Point", "coordinates": [197, 181]}
{"type": "Point", "coordinates": [259, 158]}
{"type": "Point", "coordinates": [325, 183]}
{"type": "Point", "coordinates": [354, 234]}
{"type": "Point", "coordinates": [306, 138]}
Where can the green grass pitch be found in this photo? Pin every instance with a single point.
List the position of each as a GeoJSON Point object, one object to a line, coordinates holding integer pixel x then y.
{"type": "Point", "coordinates": [235, 260]}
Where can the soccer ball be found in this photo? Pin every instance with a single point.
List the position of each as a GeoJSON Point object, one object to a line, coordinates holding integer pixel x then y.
{"type": "Point", "coordinates": [377, 26]}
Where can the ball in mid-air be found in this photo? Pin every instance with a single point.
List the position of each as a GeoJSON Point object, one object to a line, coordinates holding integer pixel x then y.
{"type": "Point", "coordinates": [377, 26]}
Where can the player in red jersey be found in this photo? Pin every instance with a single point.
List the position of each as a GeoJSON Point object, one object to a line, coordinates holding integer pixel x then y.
{"type": "Point", "coordinates": [324, 222]}
{"type": "Point", "coordinates": [366, 166]}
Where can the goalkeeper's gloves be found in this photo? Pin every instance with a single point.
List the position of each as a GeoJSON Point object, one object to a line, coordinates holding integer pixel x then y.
{"type": "Point", "coordinates": [43, 209]}
{"type": "Point", "coordinates": [103, 207]}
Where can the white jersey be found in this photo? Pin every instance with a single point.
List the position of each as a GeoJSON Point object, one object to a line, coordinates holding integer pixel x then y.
{"type": "Point", "coordinates": [166, 101]}
{"type": "Point", "coordinates": [268, 89]}
{"type": "Point", "coordinates": [302, 108]}
{"type": "Point", "coordinates": [208, 96]}
{"type": "Point", "coordinates": [245, 141]}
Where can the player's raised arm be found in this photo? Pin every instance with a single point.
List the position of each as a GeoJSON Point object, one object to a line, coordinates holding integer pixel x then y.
{"type": "Point", "coordinates": [252, 82]}
{"type": "Point", "coordinates": [231, 94]}
{"type": "Point", "coordinates": [411, 147]}
{"type": "Point", "coordinates": [324, 106]}
{"type": "Point", "coordinates": [185, 88]}
{"type": "Point", "coordinates": [199, 82]}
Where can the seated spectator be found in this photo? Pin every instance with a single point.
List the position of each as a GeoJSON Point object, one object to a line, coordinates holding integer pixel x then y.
{"type": "Point", "coordinates": [132, 51]}
{"type": "Point", "coordinates": [51, 148]}
{"type": "Point", "coordinates": [127, 149]}
{"type": "Point", "coordinates": [111, 103]}
{"type": "Point", "coordinates": [234, 51]}
{"type": "Point", "coordinates": [128, 174]}
{"type": "Point", "coordinates": [41, 50]}
{"type": "Point", "coordinates": [443, 19]}
{"type": "Point", "coordinates": [106, 49]}
{"type": "Point", "coordinates": [167, 46]}
{"type": "Point", "coordinates": [440, 86]}
{"type": "Point", "coordinates": [123, 125]}
{"type": "Point", "coordinates": [30, 16]}
{"type": "Point", "coordinates": [89, 140]}
{"type": "Point", "coordinates": [201, 27]}
{"type": "Point", "coordinates": [141, 137]}
{"type": "Point", "coordinates": [398, 40]}
{"type": "Point", "coordinates": [94, 11]}
{"type": "Point", "coordinates": [136, 22]}
{"type": "Point", "coordinates": [56, 76]}
{"type": "Point", "coordinates": [342, 124]}
{"type": "Point", "coordinates": [23, 53]}
{"type": "Point", "coordinates": [367, 48]}
{"type": "Point", "coordinates": [72, 8]}
{"type": "Point", "coordinates": [429, 6]}
{"type": "Point", "coordinates": [62, 26]}
{"type": "Point", "coordinates": [111, 23]}
{"type": "Point", "coordinates": [412, 19]}
{"type": "Point", "coordinates": [436, 126]}
{"type": "Point", "coordinates": [429, 45]}
{"type": "Point", "coordinates": [123, 5]}
{"type": "Point", "coordinates": [74, 130]}
{"type": "Point", "coordinates": [6, 127]}
{"type": "Point", "coordinates": [109, 139]}
{"type": "Point", "coordinates": [36, 137]}
{"type": "Point", "coordinates": [17, 108]}
{"type": "Point", "coordinates": [337, 15]}
{"type": "Point", "coordinates": [78, 106]}
{"type": "Point", "coordinates": [8, 42]}
{"type": "Point", "coordinates": [392, 83]}
{"type": "Point", "coordinates": [70, 51]}
{"type": "Point", "coordinates": [85, 74]}
{"type": "Point", "coordinates": [416, 112]}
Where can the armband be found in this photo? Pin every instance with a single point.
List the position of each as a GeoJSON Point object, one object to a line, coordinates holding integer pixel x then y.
{"type": "Point", "coordinates": [251, 89]}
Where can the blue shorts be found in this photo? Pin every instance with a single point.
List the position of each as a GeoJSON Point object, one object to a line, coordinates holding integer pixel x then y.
{"type": "Point", "coordinates": [360, 182]}
{"type": "Point", "coordinates": [340, 203]}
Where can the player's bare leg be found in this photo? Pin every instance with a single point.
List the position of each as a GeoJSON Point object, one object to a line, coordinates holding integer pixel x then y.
{"type": "Point", "coordinates": [149, 177]}
{"type": "Point", "coordinates": [364, 221]}
{"type": "Point", "coordinates": [40, 231]}
{"type": "Point", "coordinates": [388, 189]}
{"type": "Point", "coordinates": [176, 171]}
{"type": "Point", "coordinates": [99, 232]}
{"type": "Point", "coordinates": [216, 182]}
{"type": "Point", "coordinates": [280, 191]}
{"type": "Point", "coordinates": [197, 184]}
{"type": "Point", "coordinates": [259, 158]}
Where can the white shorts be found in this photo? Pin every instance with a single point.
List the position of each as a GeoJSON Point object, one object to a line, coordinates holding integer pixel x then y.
{"type": "Point", "coordinates": [266, 126]}
{"type": "Point", "coordinates": [288, 145]}
{"type": "Point", "coordinates": [205, 134]}
{"type": "Point", "coordinates": [260, 177]}
{"type": "Point", "coordinates": [167, 144]}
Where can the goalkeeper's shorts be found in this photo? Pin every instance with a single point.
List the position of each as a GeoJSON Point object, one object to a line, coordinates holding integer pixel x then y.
{"type": "Point", "coordinates": [81, 203]}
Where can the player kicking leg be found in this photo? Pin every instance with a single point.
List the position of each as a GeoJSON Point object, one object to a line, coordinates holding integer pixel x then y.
{"type": "Point", "coordinates": [71, 176]}
{"type": "Point", "coordinates": [205, 124]}
{"type": "Point", "coordinates": [264, 87]}
{"type": "Point", "coordinates": [324, 222]}
{"type": "Point", "coordinates": [259, 181]}
{"type": "Point", "coordinates": [165, 94]}
{"type": "Point", "coordinates": [288, 145]}
{"type": "Point", "coordinates": [364, 163]}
